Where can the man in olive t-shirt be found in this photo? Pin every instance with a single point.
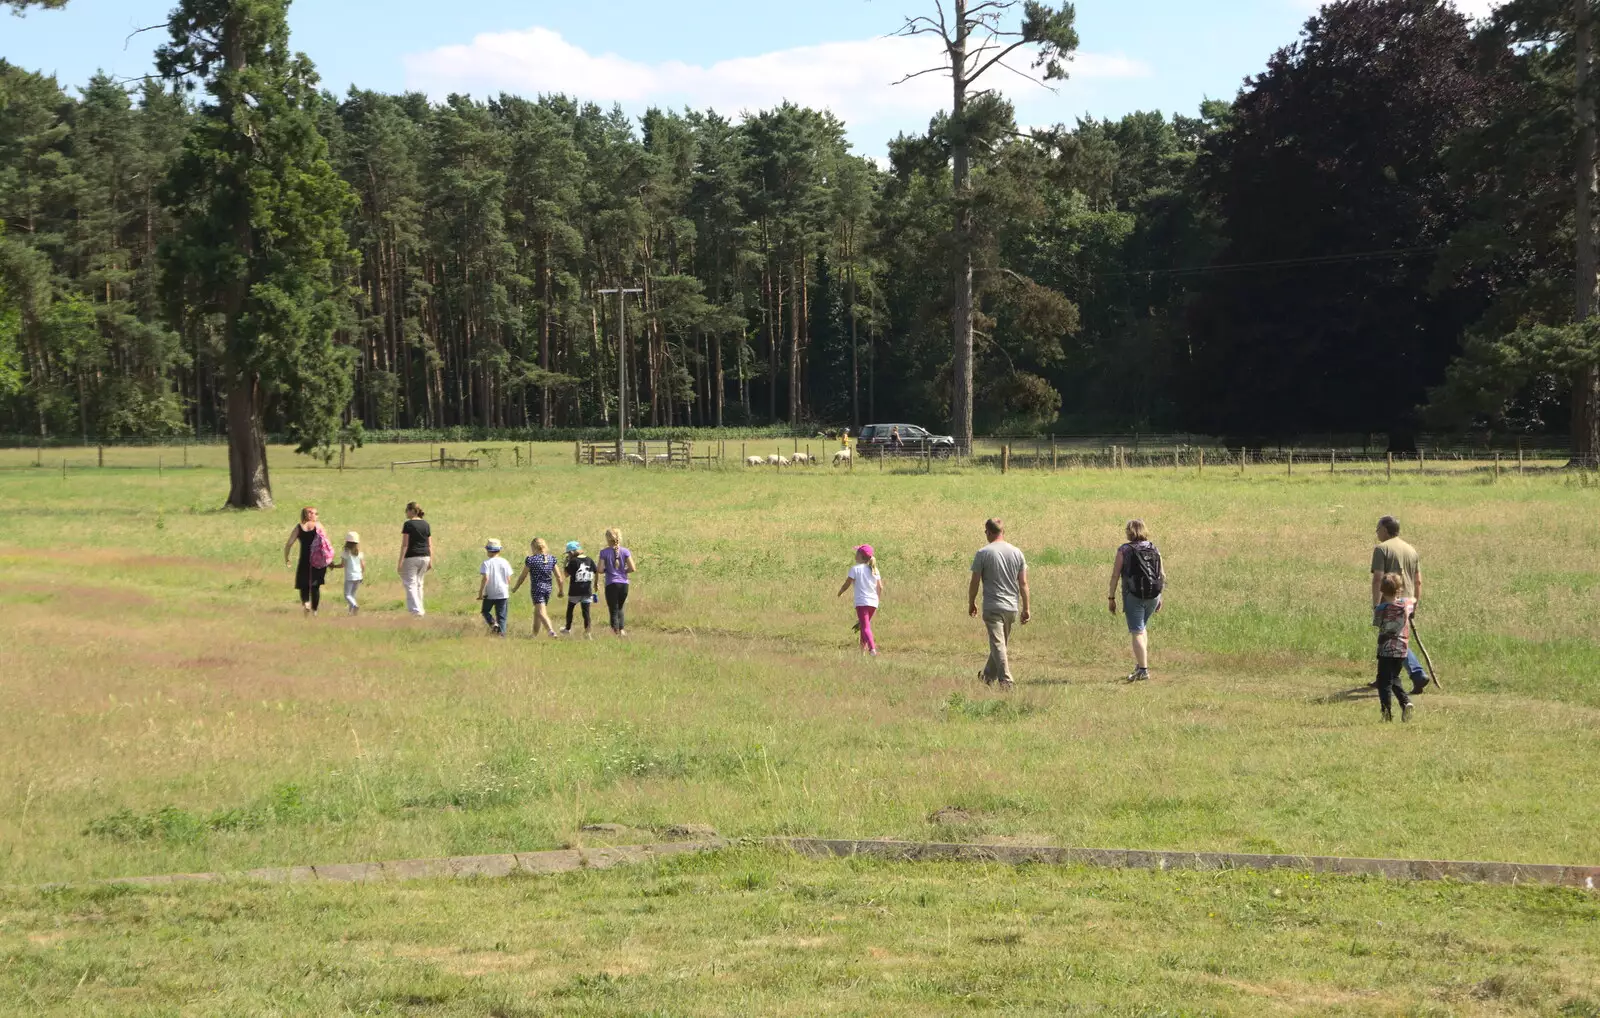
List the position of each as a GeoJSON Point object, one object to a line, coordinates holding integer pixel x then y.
{"type": "Point", "coordinates": [1393, 555]}
{"type": "Point", "coordinates": [1001, 571]}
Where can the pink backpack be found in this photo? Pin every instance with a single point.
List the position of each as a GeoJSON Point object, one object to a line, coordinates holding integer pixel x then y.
{"type": "Point", "coordinates": [321, 550]}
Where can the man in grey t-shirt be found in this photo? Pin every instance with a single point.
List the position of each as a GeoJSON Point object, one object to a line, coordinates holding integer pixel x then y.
{"type": "Point", "coordinates": [1001, 571]}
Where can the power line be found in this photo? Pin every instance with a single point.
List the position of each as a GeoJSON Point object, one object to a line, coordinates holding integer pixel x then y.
{"type": "Point", "coordinates": [1334, 259]}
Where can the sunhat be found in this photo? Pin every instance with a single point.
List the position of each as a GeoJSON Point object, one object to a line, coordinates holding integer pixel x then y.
{"type": "Point", "coordinates": [866, 549]}
{"type": "Point", "coordinates": [352, 538]}
{"type": "Point", "coordinates": [574, 546]}
{"type": "Point", "coordinates": [493, 544]}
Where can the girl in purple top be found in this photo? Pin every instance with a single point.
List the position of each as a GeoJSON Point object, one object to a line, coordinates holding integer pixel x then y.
{"type": "Point", "coordinates": [616, 562]}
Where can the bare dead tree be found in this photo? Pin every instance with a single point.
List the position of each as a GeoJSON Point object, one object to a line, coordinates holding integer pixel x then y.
{"type": "Point", "coordinates": [977, 38]}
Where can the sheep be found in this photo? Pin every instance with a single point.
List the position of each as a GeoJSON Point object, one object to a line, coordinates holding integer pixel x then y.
{"type": "Point", "coordinates": [842, 456]}
{"type": "Point", "coordinates": [755, 461]}
{"type": "Point", "coordinates": [804, 459]}
{"type": "Point", "coordinates": [662, 457]}
{"type": "Point", "coordinates": [635, 459]}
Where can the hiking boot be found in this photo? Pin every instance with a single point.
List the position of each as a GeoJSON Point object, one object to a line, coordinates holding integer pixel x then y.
{"type": "Point", "coordinates": [1418, 684]}
{"type": "Point", "coordinates": [1388, 715]}
{"type": "Point", "coordinates": [1139, 675]}
{"type": "Point", "coordinates": [1406, 711]}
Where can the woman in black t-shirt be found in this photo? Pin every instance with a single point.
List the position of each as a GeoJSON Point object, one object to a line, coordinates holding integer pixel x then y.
{"type": "Point", "coordinates": [416, 557]}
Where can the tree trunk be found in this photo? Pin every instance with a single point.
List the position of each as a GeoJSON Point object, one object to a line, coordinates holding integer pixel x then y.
{"type": "Point", "coordinates": [961, 295]}
{"type": "Point", "coordinates": [855, 345]}
{"type": "Point", "coordinates": [1586, 383]}
{"type": "Point", "coordinates": [794, 347]}
{"type": "Point", "coordinates": [250, 486]}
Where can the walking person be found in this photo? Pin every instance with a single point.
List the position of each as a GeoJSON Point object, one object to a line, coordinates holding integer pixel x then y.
{"type": "Point", "coordinates": [1392, 616]}
{"type": "Point", "coordinates": [581, 570]}
{"type": "Point", "coordinates": [1001, 571]}
{"type": "Point", "coordinates": [354, 565]}
{"type": "Point", "coordinates": [1138, 567]}
{"type": "Point", "coordinates": [416, 557]}
{"type": "Point", "coordinates": [1394, 556]}
{"type": "Point", "coordinates": [315, 556]}
{"type": "Point", "coordinates": [540, 567]}
{"type": "Point", "coordinates": [494, 587]}
{"type": "Point", "coordinates": [868, 584]}
{"type": "Point", "coordinates": [617, 563]}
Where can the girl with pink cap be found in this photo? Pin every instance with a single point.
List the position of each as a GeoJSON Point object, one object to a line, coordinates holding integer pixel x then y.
{"type": "Point", "coordinates": [868, 583]}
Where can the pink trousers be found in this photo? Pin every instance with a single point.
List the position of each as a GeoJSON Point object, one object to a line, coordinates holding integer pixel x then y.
{"type": "Point", "coordinates": [864, 613]}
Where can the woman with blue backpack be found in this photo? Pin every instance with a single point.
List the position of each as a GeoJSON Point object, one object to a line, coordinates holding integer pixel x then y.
{"type": "Point", "coordinates": [1138, 567]}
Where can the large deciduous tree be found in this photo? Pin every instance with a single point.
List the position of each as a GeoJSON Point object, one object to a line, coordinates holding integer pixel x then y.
{"type": "Point", "coordinates": [260, 211]}
{"type": "Point", "coordinates": [978, 37]}
{"type": "Point", "coordinates": [1333, 180]}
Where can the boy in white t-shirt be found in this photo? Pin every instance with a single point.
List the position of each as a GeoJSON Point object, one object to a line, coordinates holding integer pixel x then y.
{"type": "Point", "coordinates": [868, 583]}
{"type": "Point", "coordinates": [494, 587]}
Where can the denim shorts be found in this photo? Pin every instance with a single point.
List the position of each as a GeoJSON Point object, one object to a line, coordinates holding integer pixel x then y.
{"type": "Point", "coordinates": [1139, 611]}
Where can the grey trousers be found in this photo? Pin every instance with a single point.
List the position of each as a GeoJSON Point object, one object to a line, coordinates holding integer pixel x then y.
{"type": "Point", "coordinates": [413, 573]}
{"type": "Point", "coordinates": [999, 624]}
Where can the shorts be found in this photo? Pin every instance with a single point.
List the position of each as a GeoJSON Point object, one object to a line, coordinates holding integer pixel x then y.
{"type": "Point", "coordinates": [1139, 611]}
{"type": "Point", "coordinates": [541, 595]}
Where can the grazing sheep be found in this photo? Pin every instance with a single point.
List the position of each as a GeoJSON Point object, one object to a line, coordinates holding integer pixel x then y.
{"type": "Point", "coordinates": [842, 456]}
{"type": "Point", "coordinates": [804, 459]}
{"type": "Point", "coordinates": [755, 461]}
{"type": "Point", "coordinates": [635, 459]}
{"type": "Point", "coordinates": [662, 457]}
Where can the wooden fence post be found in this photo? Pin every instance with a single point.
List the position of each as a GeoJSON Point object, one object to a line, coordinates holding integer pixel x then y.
{"type": "Point", "coordinates": [1388, 473]}
{"type": "Point", "coordinates": [1055, 455]}
{"type": "Point", "coordinates": [1175, 457]}
{"type": "Point", "coordinates": [1291, 462]}
{"type": "Point", "coordinates": [101, 456]}
{"type": "Point", "coordinates": [1497, 466]}
{"type": "Point", "coordinates": [1241, 460]}
{"type": "Point", "coordinates": [1202, 468]}
{"type": "Point", "coordinates": [441, 459]}
{"type": "Point", "coordinates": [1333, 458]}
{"type": "Point", "coordinates": [1005, 459]}
{"type": "Point", "coordinates": [341, 457]}
{"type": "Point", "coordinates": [63, 468]}
{"type": "Point", "coordinates": [186, 453]}
{"type": "Point", "coordinates": [1519, 457]}
{"type": "Point", "coordinates": [158, 466]}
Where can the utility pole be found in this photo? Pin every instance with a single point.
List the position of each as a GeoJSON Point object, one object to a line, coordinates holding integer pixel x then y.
{"type": "Point", "coordinates": [622, 363]}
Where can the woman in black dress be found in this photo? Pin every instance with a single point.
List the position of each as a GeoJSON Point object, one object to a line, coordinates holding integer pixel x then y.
{"type": "Point", "coordinates": [307, 581]}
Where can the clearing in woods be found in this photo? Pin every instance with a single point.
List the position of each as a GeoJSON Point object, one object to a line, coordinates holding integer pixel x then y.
{"type": "Point", "coordinates": [166, 709]}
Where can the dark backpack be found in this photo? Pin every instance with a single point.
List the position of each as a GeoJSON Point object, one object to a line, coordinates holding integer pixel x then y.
{"type": "Point", "coordinates": [1141, 570]}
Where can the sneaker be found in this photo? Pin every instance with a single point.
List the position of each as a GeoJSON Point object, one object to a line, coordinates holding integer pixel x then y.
{"type": "Point", "coordinates": [1006, 685]}
{"type": "Point", "coordinates": [1406, 711]}
{"type": "Point", "coordinates": [983, 677]}
{"type": "Point", "coordinates": [1388, 715]}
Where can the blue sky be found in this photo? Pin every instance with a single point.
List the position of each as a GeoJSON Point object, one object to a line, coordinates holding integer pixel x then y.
{"type": "Point", "coordinates": [1149, 54]}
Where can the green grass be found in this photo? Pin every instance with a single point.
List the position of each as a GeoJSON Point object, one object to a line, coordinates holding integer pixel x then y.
{"type": "Point", "coordinates": [758, 932]}
{"type": "Point", "coordinates": [166, 709]}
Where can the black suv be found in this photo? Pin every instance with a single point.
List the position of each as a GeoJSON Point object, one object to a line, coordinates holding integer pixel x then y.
{"type": "Point", "coordinates": [879, 440]}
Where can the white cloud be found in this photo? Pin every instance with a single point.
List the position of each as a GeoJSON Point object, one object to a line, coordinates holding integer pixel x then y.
{"type": "Point", "coordinates": [855, 79]}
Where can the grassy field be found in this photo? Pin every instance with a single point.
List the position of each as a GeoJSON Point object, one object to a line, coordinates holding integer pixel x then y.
{"type": "Point", "coordinates": [166, 709]}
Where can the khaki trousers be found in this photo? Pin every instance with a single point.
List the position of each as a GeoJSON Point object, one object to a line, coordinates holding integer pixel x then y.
{"type": "Point", "coordinates": [999, 624]}
{"type": "Point", "coordinates": [413, 572]}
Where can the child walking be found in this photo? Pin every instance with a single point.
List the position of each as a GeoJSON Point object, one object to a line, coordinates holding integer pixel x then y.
{"type": "Point", "coordinates": [868, 582]}
{"type": "Point", "coordinates": [617, 563]}
{"type": "Point", "coordinates": [581, 571]}
{"type": "Point", "coordinates": [354, 565]}
{"type": "Point", "coordinates": [494, 582]}
{"type": "Point", "coordinates": [540, 567]}
{"type": "Point", "coordinates": [1393, 619]}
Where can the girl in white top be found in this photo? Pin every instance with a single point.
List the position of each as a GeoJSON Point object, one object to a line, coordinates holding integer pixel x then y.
{"type": "Point", "coordinates": [868, 583]}
{"type": "Point", "coordinates": [354, 565]}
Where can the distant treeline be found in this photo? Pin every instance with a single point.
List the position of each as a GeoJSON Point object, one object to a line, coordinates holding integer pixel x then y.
{"type": "Point", "coordinates": [1391, 196]}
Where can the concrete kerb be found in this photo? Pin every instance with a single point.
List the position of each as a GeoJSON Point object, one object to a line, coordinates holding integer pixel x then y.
{"type": "Point", "coordinates": [571, 860]}
{"type": "Point", "coordinates": [1585, 877]}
